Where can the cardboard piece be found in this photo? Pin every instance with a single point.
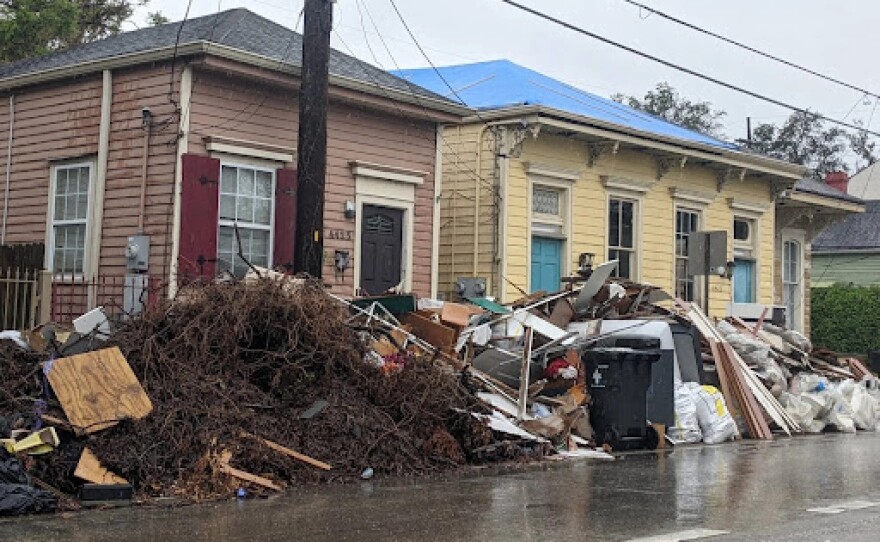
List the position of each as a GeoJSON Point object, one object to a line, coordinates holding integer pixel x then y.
{"type": "Point", "coordinates": [97, 389]}
{"type": "Point", "coordinates": [437, 335]}
{"type": "Point", "coordinates": [455, 314]}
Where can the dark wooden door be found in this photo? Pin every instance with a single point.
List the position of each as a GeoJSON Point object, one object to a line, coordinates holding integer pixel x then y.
{"type": "Point", "coordinates": [381, 248]}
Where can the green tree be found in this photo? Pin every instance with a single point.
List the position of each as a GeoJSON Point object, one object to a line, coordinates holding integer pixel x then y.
{"type": "Point", "coordinates": [34, 27]}
{"type": "Point", "coordinates": [806, 140]}
{"type": "Point", "coordinates": [802, 139]}
{"type": "Point", "coordinates": [156, 18]}
{"type": "Point", "coordinates": [665, 102]}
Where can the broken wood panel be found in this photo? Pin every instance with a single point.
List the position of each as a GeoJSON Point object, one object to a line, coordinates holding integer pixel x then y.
{"type": "Point", "coordinates": [90, 469]}
{"type": "Point", "coordinates": [97, 389]}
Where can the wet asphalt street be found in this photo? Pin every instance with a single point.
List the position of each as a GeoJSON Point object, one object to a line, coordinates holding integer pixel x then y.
{"type": "Point", "coordinates": [807, 488]}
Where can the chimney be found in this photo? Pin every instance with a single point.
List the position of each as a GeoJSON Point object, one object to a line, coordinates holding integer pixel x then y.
{"type": "Point", "coordinates": [838, 180]}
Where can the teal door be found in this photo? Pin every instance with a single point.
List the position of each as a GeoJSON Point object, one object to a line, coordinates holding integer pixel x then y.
{"type": "Point", "coordinates": [743, 281]}
{"type": "Point", "coordinates": [546, 264]}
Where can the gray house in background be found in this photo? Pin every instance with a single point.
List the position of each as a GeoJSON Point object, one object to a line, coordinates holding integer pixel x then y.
{"type": "Point", "coordinates": [848, 251]}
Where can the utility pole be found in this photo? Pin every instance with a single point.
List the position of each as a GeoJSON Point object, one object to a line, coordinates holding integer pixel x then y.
{"type": "Point", "coordinates": [312, 142]}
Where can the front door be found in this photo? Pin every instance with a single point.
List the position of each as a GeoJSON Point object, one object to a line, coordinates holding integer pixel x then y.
{"type": "Point", "coordinates": [743, 281]}
{"type": "Point", "coordinates": [381, 248]}
{"type": "Point", "coordinates": [546, 264]}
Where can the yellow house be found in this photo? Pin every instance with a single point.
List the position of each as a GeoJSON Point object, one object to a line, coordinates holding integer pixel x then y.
{"type": "Point", "coordinates": [544, 172]}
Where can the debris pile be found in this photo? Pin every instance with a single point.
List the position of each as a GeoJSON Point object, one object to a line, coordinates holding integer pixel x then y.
{"type": "Point", "coordinates": [245, 387]}
{"type": "Point", "coordinates": [257, 384]}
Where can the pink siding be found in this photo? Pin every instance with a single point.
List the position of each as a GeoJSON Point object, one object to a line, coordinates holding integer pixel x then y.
{"type": "Point", "coordinates": [234, 108]}
{"type": "Point", "coordinates": [132, 90]}
{"type": "Point", "coordinates": [61, 121]}
{"type": "Point", "coordinates": [53, 122]}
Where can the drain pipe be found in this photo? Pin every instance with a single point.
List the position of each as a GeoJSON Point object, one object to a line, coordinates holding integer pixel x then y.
{"type": "Point", "coordinates": [8, 167]}
{"type": "Point", "coordinates": [148, 131]}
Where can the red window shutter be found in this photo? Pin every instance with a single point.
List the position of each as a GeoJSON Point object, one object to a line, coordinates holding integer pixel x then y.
{"type": "Point", "coordinates": [285, 219]}
{"type": "Point", "coordinates": [199, 201]}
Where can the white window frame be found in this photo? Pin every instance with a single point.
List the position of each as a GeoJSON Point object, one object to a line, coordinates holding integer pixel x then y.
{"type": "Point", "coordinates": [747, 249]}
{"type": "Point", "coordinates": [697, 281]}
{"type": "Point", "coordinates": [563, 184]}
{"type": "Point", "coordinates": [636, 267]}
{"type": "Point", "coordinates": [51, 223]}
{"type": "Point", "coordinates": [249, 226]}
{"type": "Point", "coordinates": [796, 320]}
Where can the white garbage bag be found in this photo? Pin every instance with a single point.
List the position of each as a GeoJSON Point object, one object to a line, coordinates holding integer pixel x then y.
{"type": "Point", "coordinates": [687, 427]}
{"type": "Point", "coordinates": [842, 415]}
{"type": "Point", "coordinates": [715, 420]}
{"type": "Point", "coordinates": [865, 407]}
{"type": "Point", "coordinates": [802, 411]}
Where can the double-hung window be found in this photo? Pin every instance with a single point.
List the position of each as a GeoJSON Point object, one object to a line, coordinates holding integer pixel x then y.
{"type": "Point", "coordinates": [686, 223]}
{"type": "Point", "coordinates": [246, 202]}
{"type": "Point", "coordinates": [791, 282]}
{"type": "Point", "coordinates": [621, 236]}
{"type": "Point", "coordinates": [71, 187]}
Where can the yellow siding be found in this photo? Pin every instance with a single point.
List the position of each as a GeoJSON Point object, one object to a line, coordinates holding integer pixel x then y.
{"type": "Point", "coordinates": [466, 216]}
{"type": "Point", "coordinates": [588, 230]}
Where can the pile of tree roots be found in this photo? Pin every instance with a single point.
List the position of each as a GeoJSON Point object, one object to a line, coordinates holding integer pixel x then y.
{"type": "Point", "coordinates": [229, 364]}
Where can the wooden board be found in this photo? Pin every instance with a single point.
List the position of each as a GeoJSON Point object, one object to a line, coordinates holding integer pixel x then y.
{"type": "Point", "coordinates": [97, 389]}
{"type": "Point", "coordinates": [224, 467]}
{"type": "Point", "coordinates": [290, 453]}
{"type": "Point", "coordinates": [91, 470]}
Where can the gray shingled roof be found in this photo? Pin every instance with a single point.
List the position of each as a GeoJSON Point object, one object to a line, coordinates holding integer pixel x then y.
{"type": "Point", "coordinates": [821, 189]}
{"type": "Point", "coordinates": [237, 28]}
{"type": "Point", "coordinates": [859, 231]}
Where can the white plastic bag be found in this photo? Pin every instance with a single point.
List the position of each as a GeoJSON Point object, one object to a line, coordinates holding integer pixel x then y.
{"type": "Point", "coordinates": [864, 407]}
{"type": "Point", "coordinates": [842, 415]}
{"type": "Point", "coordinates": [687, 427]}
{"type": "Point", "coordinates": [715, 420]}
{"type": "Point", "coordinates": [800, 410]}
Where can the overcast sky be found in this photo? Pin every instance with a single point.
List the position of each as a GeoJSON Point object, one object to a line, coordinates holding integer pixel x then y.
{"type": "Point", "coordinates": [837, 37]}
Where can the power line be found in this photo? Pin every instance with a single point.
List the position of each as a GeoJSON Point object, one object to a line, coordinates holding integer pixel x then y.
{"type": "Point", "coordinates": [751, 49]}
{"type": "Point", "coordinates": [433, 67]}
{"type": "Point", "coordinates": [683, 69]}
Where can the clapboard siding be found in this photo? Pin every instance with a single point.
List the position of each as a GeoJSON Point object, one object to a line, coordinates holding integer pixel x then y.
{"type": "Point", "coordinates": [239, 109]}
{"type": "Point", "coordinates": [54, 122]}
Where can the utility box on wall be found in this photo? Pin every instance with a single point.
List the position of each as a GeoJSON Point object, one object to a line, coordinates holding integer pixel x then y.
{"type": "Point", "coordinates": [137, 253]}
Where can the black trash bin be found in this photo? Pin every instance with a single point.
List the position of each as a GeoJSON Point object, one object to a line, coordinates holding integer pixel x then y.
{"type": "Point", "coordinates": [619, 375]}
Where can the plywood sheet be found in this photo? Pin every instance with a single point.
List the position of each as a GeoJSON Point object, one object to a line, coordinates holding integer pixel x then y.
{"type": "Point", "coordinates": [97, 389]}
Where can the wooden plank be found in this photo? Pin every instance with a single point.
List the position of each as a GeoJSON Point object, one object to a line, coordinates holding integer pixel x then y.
{"type": "Point", "coordinates": [290, 453]}
{"type": "Point", "coordinates": [90, 469]}
{"type": "Point", "coordinates": [97, 389]}
{"type": "Point", "coordinates": [224, 467]}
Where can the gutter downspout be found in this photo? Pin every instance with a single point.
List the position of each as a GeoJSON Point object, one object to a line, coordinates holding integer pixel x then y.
{"type": "Point", "coordinates": [8, 166]}
{"type": "Point", "coordinates": [148, 132]}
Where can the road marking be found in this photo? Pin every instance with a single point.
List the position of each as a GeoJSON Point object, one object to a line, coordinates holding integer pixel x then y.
{"type": "Point", "coordinates": [692, 534]}
{"type": "Point", "coordinates": [843, 507]}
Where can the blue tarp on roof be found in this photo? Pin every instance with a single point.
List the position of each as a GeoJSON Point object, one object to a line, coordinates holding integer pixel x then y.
{"type": "Point", "coordinates": [501, 83]}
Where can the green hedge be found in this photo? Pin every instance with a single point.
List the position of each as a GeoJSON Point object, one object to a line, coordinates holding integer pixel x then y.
{"type": "Point", "coordinates": [846, 319]}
